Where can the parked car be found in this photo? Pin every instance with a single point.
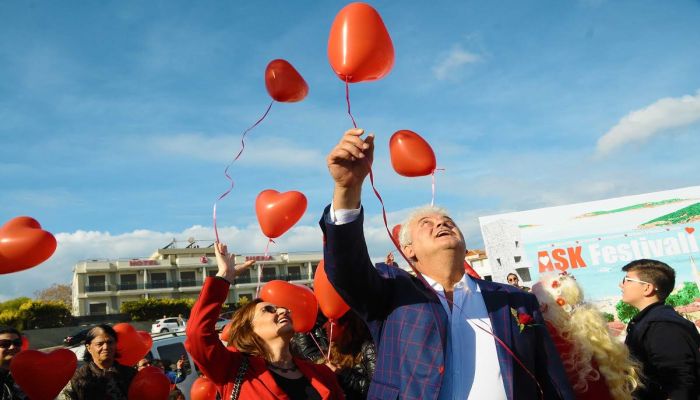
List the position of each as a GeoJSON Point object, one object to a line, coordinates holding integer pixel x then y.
{"type": "Point", "coordinates": [172, 324]}
{"type": "Point", "coordinates": [76, 338]}
{"type": "Point", "coordinates": [169, 348]}
{"type": "Point", "coordinates": [221, 323]}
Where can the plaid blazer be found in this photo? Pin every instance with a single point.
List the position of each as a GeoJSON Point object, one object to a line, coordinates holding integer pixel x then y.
{"type": "Point", "coordinates": [409, 325]}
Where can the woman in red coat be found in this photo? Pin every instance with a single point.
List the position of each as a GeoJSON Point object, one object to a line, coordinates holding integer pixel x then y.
{"type": "Point", "coordinates": [258, 364]}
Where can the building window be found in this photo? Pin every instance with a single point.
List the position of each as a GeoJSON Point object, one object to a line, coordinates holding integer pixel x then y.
{"type": "Point", "coordinates": [96, 283]}
{"type": "Point", "coordinates": [158, 280]}
{"type": "Point", "coordinates": [269, 273]}
{"type": "Point", "coordinates": [212, 272]}
{"type": "Point", "coordinates": [517, 244]}
{"type": "Point", "coordinates": [243, 277]}
{"type": "Point", "coordinates": [294, 273]}
{"type": "Point", "coordinates": [187, 278]}
{"type": "Point", "coordinates": [517, 258]}
{"type": "Point", "coordinates": [127, 282]}
{"type": "Point", "coordinates": [499, 261]}
{"type": "Point", "coordinates": [98, 309]}
{"type": "Point", "coordinates": [313, 269]}
{"type": "Point", "coordinates": [524, 274]}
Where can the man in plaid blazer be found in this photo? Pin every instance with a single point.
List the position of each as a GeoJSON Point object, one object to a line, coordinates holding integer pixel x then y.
{"type": "Point", "coordinates": [430, 343]}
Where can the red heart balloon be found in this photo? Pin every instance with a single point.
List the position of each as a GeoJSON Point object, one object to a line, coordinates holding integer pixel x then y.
{"type": "Point", "coordinates": [23, 244]}
{"type": "Point", "coordinates": [25, 343]}
{"type": "Point", "coordinates": [203, 389]}
{"type": "Point", "coordinates": [284, 83]}
{"type": "Point", "coordinates": [132, 345]}
{"type": "Point", "coordinates": [277, 212]}
{"type": "Point", "coordinates": [225, 334]}
{"type": "Point", "coordinates": [298, 299]}
{"type": "Point", "coordinates": [690, 230]}
{"type": "Point", "coordinates": [411, 155]}
{"type": "Point", "coordinates": [332, 305]}
{"type": "Point", "coordinates": [395, 231]}
{"type": "Point", "coordinates": [149, 384]}
{"type": "Point", "coordinates": [42, 376]}
{"type": "Point", "coordinates": [359, 46]}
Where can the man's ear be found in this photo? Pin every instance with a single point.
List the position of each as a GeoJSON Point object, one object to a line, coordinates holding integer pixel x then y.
{"type": "Point", "coordinates": [408, 251]}
{"type": "Point", "coordinates": [650, 291]}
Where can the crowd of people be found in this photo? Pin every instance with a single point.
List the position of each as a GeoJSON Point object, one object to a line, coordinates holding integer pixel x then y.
{"type": "Point", "coordinates": [438, 333]}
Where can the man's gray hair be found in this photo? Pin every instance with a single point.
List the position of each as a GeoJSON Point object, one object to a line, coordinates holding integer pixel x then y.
{"type": "Point", "coordinates": [405, 232]}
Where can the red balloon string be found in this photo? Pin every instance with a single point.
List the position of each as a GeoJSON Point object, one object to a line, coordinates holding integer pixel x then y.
{"type": "Point", "coordinates": [320, 350]}
{"type": "Point", "coordinates": [330, 341]}
{"type": "Point", "coordinates": [267, 248]}
{"type": "Point", "coordinates": [347, 99]}
{"type": "Point", "coordinates": [216, 231]}
{"type": "Point", "coordinates": [507, 349]}
{"type": "Point", "coordinates": [432, 200]}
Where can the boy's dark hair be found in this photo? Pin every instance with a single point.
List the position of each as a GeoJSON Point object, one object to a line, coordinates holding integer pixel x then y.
{"type": "Point", "coordinates": [9, 329]}
{"type": "Point", "coordinates": [655, 272]}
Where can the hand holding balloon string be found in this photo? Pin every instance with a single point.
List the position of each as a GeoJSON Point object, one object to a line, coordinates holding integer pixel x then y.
{"type": "Point", "coordinates": [226, 263]}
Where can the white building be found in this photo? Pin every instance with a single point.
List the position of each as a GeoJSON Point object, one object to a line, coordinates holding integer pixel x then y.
{"type": "Point", "coordinates": [102, 286]}
{"type": "Point", "coordinates": [504, 245]}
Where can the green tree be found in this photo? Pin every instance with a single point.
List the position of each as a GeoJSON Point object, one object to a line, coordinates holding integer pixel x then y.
{"type": "Point", "coordinates": [608, 317]}
{"type": "Point", "coordinates": [14, 304]}
{"type": "Point", "coordinates": [151, 309]}
{"type": "Point", "coordinates": [35, 314]}
{"type": "Point", "coordinates": [45, 314]}
{"type": "Point", "coordinates": [625, 312]}
{"type": "Point", "coordinates": [56, 292]}
{"type": "Point", "coordinates": [686, 295]}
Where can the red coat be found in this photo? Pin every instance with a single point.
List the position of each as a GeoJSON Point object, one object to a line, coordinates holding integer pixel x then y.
{"type": "Point", "coordinates": [220, 364]}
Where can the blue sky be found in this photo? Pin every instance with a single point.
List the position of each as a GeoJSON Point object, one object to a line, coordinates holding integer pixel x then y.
{"type": "Point", "coordinates": [117, 118]}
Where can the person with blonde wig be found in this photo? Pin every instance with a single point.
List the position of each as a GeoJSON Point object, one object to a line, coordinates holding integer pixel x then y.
{"type": "Point", "coordinates": [598, 366]}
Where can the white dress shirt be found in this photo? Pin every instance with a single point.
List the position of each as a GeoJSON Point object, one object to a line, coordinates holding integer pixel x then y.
{"type": "Point", "coordinates": [466, 344]}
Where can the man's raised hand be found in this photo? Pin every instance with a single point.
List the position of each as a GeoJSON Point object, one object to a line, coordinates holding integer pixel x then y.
{"type": "Point", "coordinates": [349, 163]}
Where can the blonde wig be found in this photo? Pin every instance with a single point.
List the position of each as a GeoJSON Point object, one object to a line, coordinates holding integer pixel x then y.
{"type": "Point", "coordinates": [584, 328]}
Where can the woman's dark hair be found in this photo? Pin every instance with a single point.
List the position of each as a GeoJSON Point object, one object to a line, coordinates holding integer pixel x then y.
{"type": "Point", "coordinates": [95, 332]}
{"type": "Point", "coordinates": [347, 350]}
{"type": "Point", "coordinates": [242, 336]}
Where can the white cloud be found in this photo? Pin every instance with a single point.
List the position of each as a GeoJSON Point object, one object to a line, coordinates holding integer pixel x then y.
{"type": "Point", "coordinates": [453, 62]}
{"type": "Point", "coordinates": [657, 118]}
{"type": "Point", "coordinates": [277, 152]}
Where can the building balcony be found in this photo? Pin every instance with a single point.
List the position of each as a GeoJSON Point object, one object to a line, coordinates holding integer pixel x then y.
{"type": "Point", "coordinates": [268, 278]}
{"type": "Point", "coordinates": [160, 285]}
{"type": "Point", "coordinates": [131, 286]}
{"type": "Point", "coordinates": [187, 283]}
{"type": "Point", "coordinates": [100, 287]}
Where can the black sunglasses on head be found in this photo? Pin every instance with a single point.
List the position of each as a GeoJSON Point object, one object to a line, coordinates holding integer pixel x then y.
{"type": "Point", "coordinates": [7, 343]}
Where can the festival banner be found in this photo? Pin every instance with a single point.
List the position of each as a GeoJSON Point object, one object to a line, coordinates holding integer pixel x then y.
{"type": "Point", "coordinates": [594, 240]}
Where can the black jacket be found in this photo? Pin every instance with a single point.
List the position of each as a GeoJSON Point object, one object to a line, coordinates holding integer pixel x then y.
{"type": "Point", "coordinates": [90, 382]}
{"type": "Point", "coordinates": [8, 388]}
{"type": "Point", "coordinates": [354, 381]}
{"type": "Point", "coordinates": [667, 345]}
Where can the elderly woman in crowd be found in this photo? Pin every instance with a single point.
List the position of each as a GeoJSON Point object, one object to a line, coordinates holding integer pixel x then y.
{"type": "Point", "coordinates": [260, 365]}
{"type": "Point", "coordinates": [598, 366]}
{"type": "Point", "coordinates": [102, 377]}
